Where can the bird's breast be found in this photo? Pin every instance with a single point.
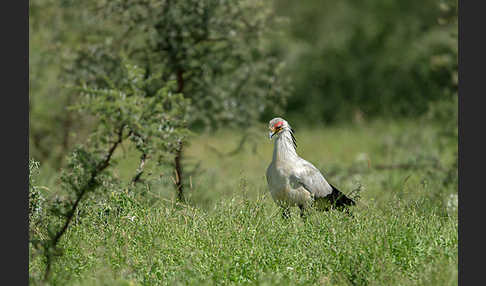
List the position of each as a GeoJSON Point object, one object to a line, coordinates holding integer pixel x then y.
{"type": "Point", "coordinates": [282, 191]}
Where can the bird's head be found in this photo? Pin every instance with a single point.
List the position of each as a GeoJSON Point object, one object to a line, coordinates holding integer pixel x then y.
{"type": "Point", "coordinates": [276, 126]}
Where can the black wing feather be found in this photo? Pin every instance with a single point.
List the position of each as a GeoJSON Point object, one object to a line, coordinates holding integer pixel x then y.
{"type": "Point", "coordinates": [339, 199]}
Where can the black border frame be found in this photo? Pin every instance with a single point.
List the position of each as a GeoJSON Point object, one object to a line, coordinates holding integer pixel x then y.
{"type": "Point", "coordinates": [14, 25]}
{"type": "Point", "coordinates": [15, 71]}
{"type": "Point", "coordinates": [471, 195]}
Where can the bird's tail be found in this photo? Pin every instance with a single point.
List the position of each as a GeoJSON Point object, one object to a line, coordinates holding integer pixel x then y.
{"type": "Point", "coordinates": [338, 199]}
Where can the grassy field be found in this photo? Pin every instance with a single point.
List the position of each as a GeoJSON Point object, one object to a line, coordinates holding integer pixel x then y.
{"type": "Point", "coordinates": [404, 229]}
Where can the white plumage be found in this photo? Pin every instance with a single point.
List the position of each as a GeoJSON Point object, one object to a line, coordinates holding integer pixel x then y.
{"type": "Point", "coordinates": [295, 182]}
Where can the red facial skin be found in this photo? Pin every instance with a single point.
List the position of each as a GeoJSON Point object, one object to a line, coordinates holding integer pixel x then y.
{"type": "Point", "coordinates": [278, 124]}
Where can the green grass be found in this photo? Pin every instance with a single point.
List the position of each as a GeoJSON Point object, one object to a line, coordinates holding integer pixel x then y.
{"type": "Point", "coordinates": [402, 232]}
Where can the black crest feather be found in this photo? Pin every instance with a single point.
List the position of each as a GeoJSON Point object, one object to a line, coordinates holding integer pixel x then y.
{"type": "Point", "coordinates": [293, 138]}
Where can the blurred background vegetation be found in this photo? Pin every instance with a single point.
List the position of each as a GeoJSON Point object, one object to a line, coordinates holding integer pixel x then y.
{"type": "Point", "coordinates": [351, 60]}
{"type": "Point", "coordinates": [336, 61]}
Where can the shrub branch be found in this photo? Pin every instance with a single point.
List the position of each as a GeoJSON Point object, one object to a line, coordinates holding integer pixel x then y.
{"type": "Point", "coordinates": [90, 185]}
{"type": "Point", "coordinates": [140, 169]}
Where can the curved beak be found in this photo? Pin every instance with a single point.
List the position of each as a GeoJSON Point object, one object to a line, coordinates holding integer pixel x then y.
{"type": "Point", "coordinates": [273, 131]}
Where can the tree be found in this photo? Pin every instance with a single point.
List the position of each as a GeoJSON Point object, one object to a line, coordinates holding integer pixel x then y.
{"type": "Point", "coordinates": [215, 50]}
{"type": "Point", "coordinates": [154, 124]}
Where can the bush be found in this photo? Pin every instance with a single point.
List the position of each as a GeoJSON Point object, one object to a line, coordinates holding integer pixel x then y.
{"type": "Point", "coordinates": [36, 199]}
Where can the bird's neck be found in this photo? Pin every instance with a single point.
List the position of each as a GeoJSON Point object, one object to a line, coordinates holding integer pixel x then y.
{"type": "Point", "coordinates": [284, 148]}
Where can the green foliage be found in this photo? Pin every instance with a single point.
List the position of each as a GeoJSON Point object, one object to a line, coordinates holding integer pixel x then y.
{"type": "Point", "coordinates": [140, 74]}
{"type": "Point", "coordinates": [404, 229]}
{"type": "Point", "coordinates": [246, 242]}
{"type": "Point", "coordinates": [36, 198]}
{"type": "Point", "coordinates": [215, 51]}
{"type": "Point", "coordinates": [154, 122]}
{"type": "Point", "coordinates": [364, 59]}
{"type": "Point", "coordinates": [54, 30]}
{"type": "Point", "coordinates": [446, 109]}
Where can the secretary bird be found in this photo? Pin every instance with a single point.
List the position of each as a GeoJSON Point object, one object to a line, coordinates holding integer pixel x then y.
{"type": "Point", "coordinates": [295, 182]}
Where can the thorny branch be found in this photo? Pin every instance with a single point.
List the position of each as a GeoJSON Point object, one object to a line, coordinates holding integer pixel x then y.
{"type": "Point", "coordinates": [137, 176]}
{"type": "Point", "coordinates": [178, 173]}
{"type": "Point", "coordinates": [70, 214]}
